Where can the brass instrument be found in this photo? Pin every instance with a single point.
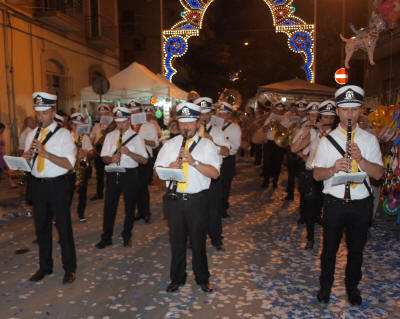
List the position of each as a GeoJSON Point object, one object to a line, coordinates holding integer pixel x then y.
{"type": "Point", "coordinates": [347, 196]}
{"type": "Point", "coordinates": [81, 164]}
{"type": "Point", "coordinates": [172, 194]}
{"type": "Point", "coordinates": [34, 150]}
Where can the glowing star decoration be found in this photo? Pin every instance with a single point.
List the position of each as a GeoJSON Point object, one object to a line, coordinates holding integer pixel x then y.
{"type": "Point", "coordinates": [300, 34]}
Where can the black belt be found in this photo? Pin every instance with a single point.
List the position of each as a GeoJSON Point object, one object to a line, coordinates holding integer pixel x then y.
{"type": "Point", "coordinates": [344, 201]}
{"type": "Point", "coordinates": [49, 179]}
{"type": "Point", "coordinates": [187, 196]}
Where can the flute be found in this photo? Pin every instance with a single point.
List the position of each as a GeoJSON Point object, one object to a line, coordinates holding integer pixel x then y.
{"type": "Point", "coordinates": [347, 196]}
{"type": "Point", "coordinates": [34, 153]}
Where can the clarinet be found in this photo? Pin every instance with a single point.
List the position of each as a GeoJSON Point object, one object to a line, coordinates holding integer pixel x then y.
{"type": "Point", "coordinates": [34, 153]}
{"type": "Point", "coordinates": [172, 194]}
{"type": "Point", "coordinates": [347, 196]}
{"type": "Point", "coordinates": [119, 151]}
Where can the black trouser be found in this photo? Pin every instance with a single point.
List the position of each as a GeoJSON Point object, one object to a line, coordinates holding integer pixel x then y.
{"type": "Point", "coordinates": [312, 196]}
{"type": "Point", "coordinates": [256, 151]}
{"type": "Point", "coordinates": [294, 166]}
{"type": "Point", "coordinates": [353, 218]}
{"type": "Point", "coordinates": [143, 198]}
{"type": "Point", "coordinates": [117, 183]}
{"type": "Point", "coordinates": [273, 156]}
{"type": "Point", "coordinates": [214, 212]}
{"type": "Point", "coordinates": [82, 191]}
{"type": "Point", "coordinates": [51, 199]}
{"type": "Point", "coordinates": [99, 164]}
{"type": "Point", "coordinates": [227, 172]}
{"type": "Point", "coordinates": [188, 218]}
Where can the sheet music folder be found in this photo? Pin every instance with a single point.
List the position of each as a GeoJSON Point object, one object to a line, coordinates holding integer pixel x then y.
{"type": "Point", "coordinates": [343, 178]}
{"type": "Point", "coordinates": [170, 174]}
{"type": "Point", "coordinates": [17, 163]}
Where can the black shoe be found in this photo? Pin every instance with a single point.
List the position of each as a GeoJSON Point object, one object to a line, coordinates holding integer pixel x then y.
{"type": "Point", "coordinates": [96, 197]}
{"type": "Point", "coordinates": [103, 244]}
{"type": "Point", "coordinates": [354, 297]}
{"type": "Point", "coordinates": [324, 295]}
{"type": "Point", "coordinates": [127, 242]}
{"type": "Point", "coordinates": [147, 219]}
{"type": "Point", "coordinates": [40, 274]}
{"type": "Point", "coordinates": [206, 287]}
{"type": "Point", "coordinates": [309, 245]}
{"type": "Point", "coordinates": [138, 217]}
{"type": "Point", "coordinates": [289, 197]}
{"type": "Point", "coordinates": [220, 247]}
{"type": "Point", "coordinates": [69, 277]}
{"type": "Point", "coordinates": [173, 286]}
{"type": "Point", "coordinates": [265, 184]}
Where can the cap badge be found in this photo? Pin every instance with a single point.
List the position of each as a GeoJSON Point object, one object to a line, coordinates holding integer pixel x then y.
{"type": "Point", "coordinates": [185, 111]}
{"type": "Point", "coordinates": [38, 100]}
{"type": "Point", "coordinates": [349, 95]}
{"type": "Point", "coordinates": [203, 104]}
{"type": "Point", "coordinates": [118, 113]}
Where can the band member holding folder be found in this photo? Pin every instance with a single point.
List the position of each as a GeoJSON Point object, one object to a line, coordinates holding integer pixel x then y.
{"type": "Point", "coordinates": [347, 207]}
{"type": "Point", "coordinates": [185, 205]}
{"type": "Point", "coordinates": [122, 148]}
{"type": "Point", "coordinates": [51, 152]}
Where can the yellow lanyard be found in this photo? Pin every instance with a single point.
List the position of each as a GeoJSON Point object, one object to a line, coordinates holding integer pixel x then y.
{"type": "Point", "coordinates": [40, 159]}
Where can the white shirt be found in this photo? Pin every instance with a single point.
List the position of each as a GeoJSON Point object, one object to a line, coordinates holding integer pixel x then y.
{"type": "Point", "coordinates": [217, 135]}
{"type": "Point", "coordinates": [86, 144]}
{"type": "Point", "coordinates": [148, 131]}
{"type": "Point", "coordinates": [205, 152]}
{"type": "Point", "coordinates": [22, 138]}
{"type": "Point", "coordinates": [313, 136]}
{"type": "Point", "coordinates": [135, 145]}
{"type": "Point", "coordinates": [60, 144]}
{"type": "Point", "coordinates": [233, 135]}
{"type": "Point", "coordinates": [326, 156]}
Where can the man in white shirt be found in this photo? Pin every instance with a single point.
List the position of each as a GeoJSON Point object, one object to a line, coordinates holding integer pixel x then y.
{"type": "Point", "coordinates": [233, 135]}
{"type": "Point", "coordinates": [122, 152]}
{"type": "Point", "coordinates": [185, 205]}
{"type": "Point", "coordinates": [79, 177]}
{"type": "Point", "coordinates": [214, 134]}
{"type": "Point", "coordinates": [51, 153]}
{"type": "Point", "coordinates": [347, 207]}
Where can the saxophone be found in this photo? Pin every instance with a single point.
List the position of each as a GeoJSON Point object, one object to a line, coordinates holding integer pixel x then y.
{"type": "Point", "coordinates": [81, 164]}
{"type": "Point", "coordinates": [347, 196]}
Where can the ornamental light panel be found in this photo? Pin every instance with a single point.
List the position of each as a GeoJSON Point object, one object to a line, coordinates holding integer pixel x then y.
{"type": "Point", "coordinates": [300, 34]}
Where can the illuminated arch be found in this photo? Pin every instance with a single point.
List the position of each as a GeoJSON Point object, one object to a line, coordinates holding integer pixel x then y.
{"type": "Point", "coordinates": [300, 34]}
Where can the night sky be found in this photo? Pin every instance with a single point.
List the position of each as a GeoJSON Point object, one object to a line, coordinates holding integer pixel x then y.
{"type": "Point", "coordinates": [220, 50]}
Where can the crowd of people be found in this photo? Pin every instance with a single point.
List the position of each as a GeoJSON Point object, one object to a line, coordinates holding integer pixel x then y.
{"type": "Point", "coordinates": [317, 141]}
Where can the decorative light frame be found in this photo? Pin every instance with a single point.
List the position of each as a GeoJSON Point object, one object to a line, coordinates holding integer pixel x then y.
{"type": "Point", "coordinates": [300, 34]}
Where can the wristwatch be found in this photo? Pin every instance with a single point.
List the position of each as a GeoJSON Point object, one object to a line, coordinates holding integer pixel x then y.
{"type": "Point", "coordinates": [196, 163]}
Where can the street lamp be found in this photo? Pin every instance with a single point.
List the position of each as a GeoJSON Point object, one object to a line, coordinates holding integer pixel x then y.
{"type": "Point", "coordinates": [246, 43]}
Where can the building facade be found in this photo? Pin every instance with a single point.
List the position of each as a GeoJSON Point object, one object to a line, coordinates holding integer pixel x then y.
{"type": "Point", "coordinates": [57, 46]}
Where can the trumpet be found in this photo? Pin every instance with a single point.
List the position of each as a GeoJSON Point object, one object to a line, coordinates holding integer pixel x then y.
{"type": "Point", "coordinates": [347, 196]}
{"type": "Point", "coordinates": [33, 150]}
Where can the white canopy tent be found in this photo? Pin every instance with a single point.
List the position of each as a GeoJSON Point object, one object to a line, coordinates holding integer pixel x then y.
{"type": "Point", "coordinates": [136, 81]}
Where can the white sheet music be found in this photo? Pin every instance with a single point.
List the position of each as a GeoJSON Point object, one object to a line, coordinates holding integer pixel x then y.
{"type": "Point", "coordinates": [83, 129]}
{"type": "Point", "coordinates": [113, 168]}
{"type": "Point", "coordinates": [170, 174]}
{"type": "Point", "coordinates": [17, 163]}
{"type": "Point", "coordinates": [217, 121]}
{"type": "Point", "coordinates": [343, 178]}
{"type": "Point", "coordinates": [138, 118]}
{"type": "Point", "coordinates": [105, 119]}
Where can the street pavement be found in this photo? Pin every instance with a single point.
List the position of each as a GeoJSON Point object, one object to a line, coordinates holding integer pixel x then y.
{"type": "Point", "coordinates": [265, 272]}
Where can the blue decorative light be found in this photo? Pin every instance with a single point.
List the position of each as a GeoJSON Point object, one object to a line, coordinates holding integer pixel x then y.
{"type": "Point", "coordinates": [175, 46]}
{"type": "Point", "coordinates": [300, 41]}
{"type": "Point", "coordinates": [194, 4]}
{"type": "Point", "coordinates": [188, 27]}
{"type": "Point", "coordinates": [279, 3]}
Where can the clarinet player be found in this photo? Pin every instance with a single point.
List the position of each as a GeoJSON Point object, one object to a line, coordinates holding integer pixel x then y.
{"type": "Point", "coordinates": [186, 204]}
{"type": "Point", "coordinates": [347, 208]}
{"type": "Point", "coordinates": [51, 153]}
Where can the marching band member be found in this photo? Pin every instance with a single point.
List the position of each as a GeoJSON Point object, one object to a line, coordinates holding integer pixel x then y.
{"type": "Point", "coordinates": [294, 163]}
{"type": "Point", "coordinates": [149, 133]}
{"type": "Point", "coordinates": [186, 204]}
{"type": "Point", "coordinates": [232, 135]}
{"type": "Point", "coordinates": [273, 154]}
{"type": "Point", "coordinates": [51, 151]}
{"type": "Point", "coordinates": [98, 133]}
{"type": "Point", "coordinates": [80, 176]}
{"type": "Point", "coordinates": [214, 134]}
{"type": "Point", "coordinates": [347, 207]}
{"type": "Point", "coordinates": [123, 148]}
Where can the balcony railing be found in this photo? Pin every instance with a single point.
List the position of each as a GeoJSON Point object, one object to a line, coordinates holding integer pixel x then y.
{"type": "Point", "coordinates": [66, 15]}
{"type": "Point", "coordinates": [101, 32]}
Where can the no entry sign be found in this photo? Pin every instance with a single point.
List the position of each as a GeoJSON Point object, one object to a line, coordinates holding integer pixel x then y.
{"type": "Point", "coordinates": [341, 76]}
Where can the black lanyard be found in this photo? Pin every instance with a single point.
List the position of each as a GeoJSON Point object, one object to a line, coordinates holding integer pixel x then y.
{"type": "Point", "coordinates": [48, 136]}
{"type": "Point", "coordinates": [226, 126]}
{"type": "Point", "coordinates": [126, 142]}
